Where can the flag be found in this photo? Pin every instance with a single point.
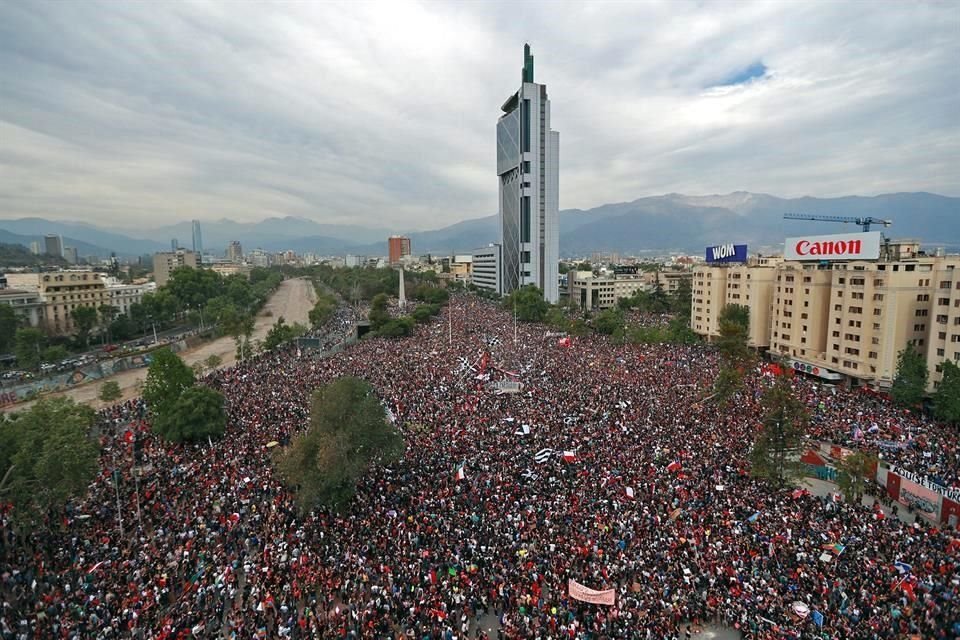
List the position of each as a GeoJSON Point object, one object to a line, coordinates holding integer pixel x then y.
{"type": "Point", "coordinates": [675, 514]}
{"type": "Point", "coordinates": [523, 431]}
{"type": "Point", "coordinates": [903, 567]}
{"type": "Point", "coordinates": [817, 618]}
{"type": "Point", "coordinates": [542, 456]}
{"type": "Point", "coordinates": [461, 474]}
{"type": "Point", "coordinates": [529, 475]}
{"type": "Point", "coordinates": [569, 456]}
{"type": "Point", "coordinates": [907, 588]}
{"type": "Point", "coordinates": [629, 492]}
{"type": "Point", "coordinates": [836, 547]}
{"type": "Point", "coordinates": [674, 466]}
{"type": "Point", "coordinates": [128, 436]}
{"type": "Point", "coordinates": [754, 517]}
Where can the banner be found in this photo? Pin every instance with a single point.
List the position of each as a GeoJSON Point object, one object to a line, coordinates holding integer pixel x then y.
{"type": "Point", "coordinates": [586, 594]}
{"type": "Point", "coordinates": [920, 498]}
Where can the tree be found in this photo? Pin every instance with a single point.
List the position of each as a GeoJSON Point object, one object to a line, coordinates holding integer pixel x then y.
{"type": "Point", "coordinates": [122, 328]}
{"type": "Point", "coordinates": [775, 450]}
{"type": "Point", "coordinates": [679, 331]}
{"type": "Point", "coordinates": [27, 343]}
{"type": "Point", "coordinates": [46, 456]}
{"type": "Point", "coordinates": [213, 361]}
{"type": "Point", "coordinates": [85, 319]}
{"type": "Point", "coordinates": [107, 315]}
{"type": "Point", "coordinates": [528, 303]}
{"type": "Point", "coordinates": [8, 327]}
{"type": "Point", "coordinates": [853, 471]}
{"type": "Point", "coordinates": [196, 414]}
{"type": "Point", "coordinates": [348, 433]}
{"type": "Point", "coordinates": [396, 328]}
{"type": "Point", "coordinates": [167, 378]}
{"type": "Point", "coordinates": [281, 333]}
{"type": "Point", "coordinates": [608, 321]}
{"type": "Point", "coordinates": [910, 380]}
{"type": "Point", "coordinates": [110, 391]}
{"type": "Point", "coordinates": [735, 355]}
{"type": "Point", "coordinates": [682, 299]}
{"type": "Point", "coordinates": [946, 401]}
{"type": "Point", "coordinates": [378, 315]}
{"type": "Point", "coordinates": [54, 353]}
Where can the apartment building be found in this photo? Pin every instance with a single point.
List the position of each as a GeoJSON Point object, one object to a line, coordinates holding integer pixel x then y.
{"type": "Point", "coordinates": [588, 291]}
{"type": "Point", "coordinates": [165, 263]}
{"type": "Point", "coordinates": [714, 286]}
{"type": "Point", "coordinates": [944, 340]}
{"type": "Point", "coordinates": [64, 291]}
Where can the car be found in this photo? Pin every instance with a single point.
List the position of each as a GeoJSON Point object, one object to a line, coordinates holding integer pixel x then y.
{"type": "Point", "coordinates": [110, 347]}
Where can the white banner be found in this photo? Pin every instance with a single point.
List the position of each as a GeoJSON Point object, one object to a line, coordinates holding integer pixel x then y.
{"type": "Point", "coordinates": [839, 246]}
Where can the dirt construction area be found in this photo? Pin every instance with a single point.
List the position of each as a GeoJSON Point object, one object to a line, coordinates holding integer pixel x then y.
{"type": "Point", "coordinates": [293, 300]}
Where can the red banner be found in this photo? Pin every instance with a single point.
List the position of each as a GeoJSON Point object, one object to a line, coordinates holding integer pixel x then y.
{"type": "Point", "coordinates": [586, 594]}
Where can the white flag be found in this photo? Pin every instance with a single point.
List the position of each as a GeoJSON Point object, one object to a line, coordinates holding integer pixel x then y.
{"type": "Point", "coordinates": [543, 455]}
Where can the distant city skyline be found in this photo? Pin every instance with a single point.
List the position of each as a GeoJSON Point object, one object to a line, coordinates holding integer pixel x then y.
{"type": "Point", "coordinates": [136, 116]}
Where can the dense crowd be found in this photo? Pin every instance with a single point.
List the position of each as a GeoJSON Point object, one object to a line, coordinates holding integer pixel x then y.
{"type": "Point", "coordinates": [609, 467]}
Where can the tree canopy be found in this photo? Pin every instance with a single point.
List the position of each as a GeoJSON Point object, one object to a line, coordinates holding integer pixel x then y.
{"type": "Point", "coordinates": [853, 471]}
{"type": "Point", "coordinates": [167, 378]}
{"type": "Point", "coordinates": [946, 401]}
{"type": "Point", "coordinates": [46, 457]}
{"type": "Point", "coordinates": [8, 327]}
{"type": "Point", "coordinates": [910, 379]}
{"type": "Point", "coordinates": [281, 333]}
{"type": "Point", "coordinates": [775, 450]}
{"type": "Point", "coordinates": [27, 344]}
{"type": "Point", "coordinates": [196, 414]}
{"type": "Point", "coordinates": [528, 302]}
{"type": "Point", "coordinates": [348, 433]}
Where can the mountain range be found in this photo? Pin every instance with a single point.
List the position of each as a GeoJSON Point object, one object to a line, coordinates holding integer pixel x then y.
{"type": "Point", "coordinates": [666, 223]}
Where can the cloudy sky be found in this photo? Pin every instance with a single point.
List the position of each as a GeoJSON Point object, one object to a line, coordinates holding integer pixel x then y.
{"type": "Point", "coordinates": [137, 114]}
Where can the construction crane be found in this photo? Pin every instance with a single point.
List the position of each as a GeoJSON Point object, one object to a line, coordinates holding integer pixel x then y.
{"type": "Point", "coordinates": [863, 222]}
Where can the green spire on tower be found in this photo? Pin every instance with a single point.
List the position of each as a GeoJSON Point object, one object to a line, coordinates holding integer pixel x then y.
{"type": "Point", "coordinates": [527, 64]}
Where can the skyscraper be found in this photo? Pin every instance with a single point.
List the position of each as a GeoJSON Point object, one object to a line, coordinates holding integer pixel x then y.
{"type": "Point", "coordinates": [197, 238]}
{"type": "Point", "coordinates": [53, 245]}
{"type": "Point", "coordinates": [528, 171]}
{"type": "Point", "coordinates": [397, 247]}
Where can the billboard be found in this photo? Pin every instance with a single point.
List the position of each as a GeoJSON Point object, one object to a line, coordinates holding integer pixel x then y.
{"type": "Point", "coordinates": [727, 253]}
{"type": "Point", "coordinates": [839, 246]}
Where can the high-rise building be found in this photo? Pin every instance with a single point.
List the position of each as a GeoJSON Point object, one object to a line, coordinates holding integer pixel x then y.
{"type": "Point", "coordinates": [53, 245]}
{"type": "Point", "coordinates": [165, 263]}
{"type": "Point", "coordinates": [70, 255]}
{"type": "Point", "coordinates": [197, 238]}
{"type": "Point", "coordinates": [35, 248]}
{"type": "Point", "coordinates": [528, 171]}
{"type": "Point", "coordinates": [486, 270]}
{"type": "Point", "coordinates": [397, 248]}
{"type": "Point", "coordinates": [174, 244]}
{"type": "Point", "coordinates": [234, 251]}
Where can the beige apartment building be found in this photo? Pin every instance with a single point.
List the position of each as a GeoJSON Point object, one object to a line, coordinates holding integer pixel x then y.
{"type": "Point", "coordinates": [588, 291]}
{"type": "Point", "coordinates": [944, 341]}
{"type": "Point", "coordinates": [165, 263]}
{"type": "Point", "coordinates": [750, 285]}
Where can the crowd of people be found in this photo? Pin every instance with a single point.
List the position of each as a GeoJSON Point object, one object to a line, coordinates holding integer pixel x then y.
{"type": "Point", "coordinates": [611, 466]}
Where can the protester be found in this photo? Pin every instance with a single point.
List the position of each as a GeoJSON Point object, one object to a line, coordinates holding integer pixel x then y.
{"type": "Point", "coordinates": [611, 467]}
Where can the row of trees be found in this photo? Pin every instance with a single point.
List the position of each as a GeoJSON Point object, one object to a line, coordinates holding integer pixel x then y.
{"type": "Point", "coordinates": [910, 385]}
{"type": "Point", "coordinates": [182, 410]}
{"type": "Point", "coordinates": [432, 299]}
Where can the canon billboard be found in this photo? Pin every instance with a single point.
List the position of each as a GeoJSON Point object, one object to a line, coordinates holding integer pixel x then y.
{"type": "Point", "coordinates": [840, 246]}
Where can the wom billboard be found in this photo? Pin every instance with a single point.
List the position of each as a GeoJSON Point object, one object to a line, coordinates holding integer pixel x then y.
{"type": "Point", "coordinates": [840, 246]}
{"type": "Point", "coordinates": [727, 253]}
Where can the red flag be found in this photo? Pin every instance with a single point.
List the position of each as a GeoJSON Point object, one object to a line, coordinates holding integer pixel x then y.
{"type": "Point", "coordinates": [569, 456]}
{"type": "Point", "coordinates": [128, 436]}
{"type": "Point", "coordinates": [674, 466]}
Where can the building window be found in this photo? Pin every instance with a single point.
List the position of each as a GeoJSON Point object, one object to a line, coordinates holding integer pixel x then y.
{"type": "Point", "coordinates": [525, 219]}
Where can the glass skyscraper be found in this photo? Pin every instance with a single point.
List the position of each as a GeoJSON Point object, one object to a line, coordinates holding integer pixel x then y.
{"type": "Point", "coordinates": [528, 171]}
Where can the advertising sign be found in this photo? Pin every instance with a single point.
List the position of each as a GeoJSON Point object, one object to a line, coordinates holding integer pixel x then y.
{"type": "Point", "coordinates": [727, 253]}
{"type": "Point", "coordinates": [839, 246]}
{"type": "Point", "coordinates": [920, 498]}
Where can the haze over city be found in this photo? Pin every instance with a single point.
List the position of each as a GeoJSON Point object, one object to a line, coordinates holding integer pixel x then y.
{"type": "Point", "coordinates": [135, 115]}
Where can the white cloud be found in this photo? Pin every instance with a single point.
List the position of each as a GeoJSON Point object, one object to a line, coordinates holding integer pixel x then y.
{"type": "Point", "coordinates": [383, 113]}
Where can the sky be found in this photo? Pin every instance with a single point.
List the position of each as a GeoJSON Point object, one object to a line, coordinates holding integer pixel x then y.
{"type": "Point", "coordinates": [133, 115]}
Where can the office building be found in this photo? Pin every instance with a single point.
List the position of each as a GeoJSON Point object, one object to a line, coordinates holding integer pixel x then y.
{"type": "Point", "coordinates": [123, 296]}
{"type": "Point", "coordinates": [589, 291]}
{"type": "Point", "coordinates": [26, 304]}
{"type": "Point", "coordinates": [35, 248]}
{"type": "Point", "coordinates": [528, 160]}
{"type": "Point", "coordinates": [944, 342]}
{"type": "Point", "coordinates": [197, 238]}
{"type": "Point", "coordinates": [397, 248]}
{"type": "Point", "coordinates": [165, 263]}
{"type": "Point", "coordinates": [234, 251]}
{"type": "Point", "coordinates": [174, 244]}
{"type": "Point", "coordinates": [70, 255]}
{"type": "Point", "coordinates": [53, 245]}
{"type": "Point", "coordinates": [485, 272]}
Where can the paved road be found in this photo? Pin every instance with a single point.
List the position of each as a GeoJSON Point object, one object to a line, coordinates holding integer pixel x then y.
{"type": "Point", "coordinates": [293, 300]}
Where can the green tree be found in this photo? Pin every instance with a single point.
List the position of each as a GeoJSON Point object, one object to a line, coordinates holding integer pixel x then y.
{"type": "Point", "coordinates": [775, 453]}
{"type": "Point", "coordinates": [608, 321]}
{"type": "Point", "coordinates": [910, 380]}
{"type": "Point", "coordinates": [348, 433]}
{"type": "Point", "coordinates": [213, 361]}
{"type": "Point", "coordinates": [378, 315]}
{"type": "Point", "coordinates": [852, 472]}
{"type": "Point", "coordinates": [54, 353]}
{"type": "Point", "coordinates": [8, 327]}
{"type": "Point", "coordinates": [27, 343]}
{"type": "Point", "coordinates": [946, 401]}
{"type": "Point", "coordinates": [107, 315]}
{"type": "Point", "coordinates": [528, 303]}
{"type": "Point", "coordinates": [122, 328]}
{"type": "Point", "coordinates": [167, 378]}
{"type": "Point", "coordinates": [679, 331]}
{"type": "Point", "coordinates": [281, 333]}
{"type": "Point", "coordinates": [84, 319]}
{"type": "Point", "coordinates": [110, 391]}
{"type": "Point", "coordinates": [46, 457]}
{"type": "Point", "coordinates": [682, 299]}
{"type": "Point", "coordinates": [196, 414]}
{"type": "Point", "coordinates": [735, 355]}
{"type": "Point", "coordinates": [396, 328]}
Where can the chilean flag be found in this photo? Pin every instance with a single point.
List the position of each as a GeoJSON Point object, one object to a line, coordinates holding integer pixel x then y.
{"type": "Point", "coordinates": [569, 456]}
{"type": "Point", "coordinates": [461, 474]}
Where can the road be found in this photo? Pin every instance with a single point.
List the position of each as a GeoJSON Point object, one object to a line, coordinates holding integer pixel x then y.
{"type": "Point", "coordinates": [293, 300]}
